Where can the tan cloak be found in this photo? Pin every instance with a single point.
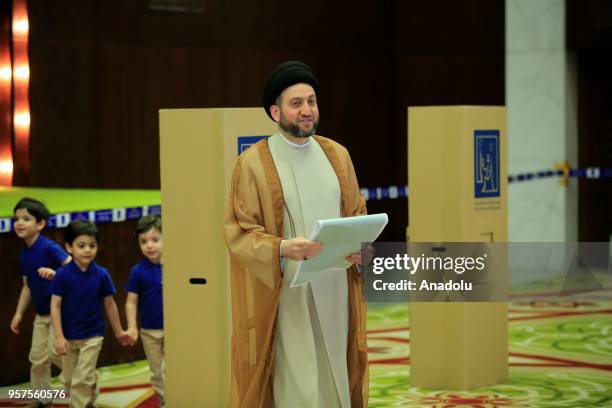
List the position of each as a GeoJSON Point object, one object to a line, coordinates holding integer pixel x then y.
{"type": "Point", "coordinates": [253, 230]}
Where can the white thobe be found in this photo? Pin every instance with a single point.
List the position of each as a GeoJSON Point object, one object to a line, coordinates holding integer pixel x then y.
{"type": "Point", "coordinates": [312, 330]}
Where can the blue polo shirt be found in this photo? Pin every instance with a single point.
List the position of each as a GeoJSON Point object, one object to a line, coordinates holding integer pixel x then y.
{"type": "Point", "coordinates": [83, 296]}
{"type": "Point", "coordinates": [44, 252]}
{"type": "Point", "coordinates": [146, 281]}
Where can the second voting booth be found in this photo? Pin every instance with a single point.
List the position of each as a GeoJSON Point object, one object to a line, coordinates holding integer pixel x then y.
{"type": "Point", "coordinates": [458, 193]}
{"type": "Point", "coordinates": [198, 151]}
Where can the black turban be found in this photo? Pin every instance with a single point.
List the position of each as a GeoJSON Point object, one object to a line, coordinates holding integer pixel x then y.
{"type": "Point", "coordinates": [286, 74]}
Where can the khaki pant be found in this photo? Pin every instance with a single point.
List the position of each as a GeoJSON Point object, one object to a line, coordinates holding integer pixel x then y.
{"type": "Point", "coordinates": [80, 370]}
{"type": "Point", "coordinates": [42, 354]}
{"type": "Point", "coordinates": [153, 344]}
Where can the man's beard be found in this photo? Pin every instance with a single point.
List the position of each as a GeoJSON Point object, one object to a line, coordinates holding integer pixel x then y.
{"type": "Point", "coordinates": [294, 129]}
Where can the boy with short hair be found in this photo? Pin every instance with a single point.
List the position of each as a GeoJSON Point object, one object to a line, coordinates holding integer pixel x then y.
{"type": "Point", "coordinates": [144, 289]}
{"type": "Point", "coordinates": [37, 264]}
{"type": "Point", "coordinates": [80, 290]}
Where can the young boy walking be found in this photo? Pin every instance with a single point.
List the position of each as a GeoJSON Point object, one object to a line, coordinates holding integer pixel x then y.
{"type": "Point", "coordinates": [80, 291]}
{"type": "Point", "coordinates": [144, 289]}
{"type": "Point", "coordinates": [37, 264]}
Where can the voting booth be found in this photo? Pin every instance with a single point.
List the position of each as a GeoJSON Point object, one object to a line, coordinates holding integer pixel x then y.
{"type": "Point", "coordinates": [198, 151]}
{"type": "Point", "coordinates": [457, 179]}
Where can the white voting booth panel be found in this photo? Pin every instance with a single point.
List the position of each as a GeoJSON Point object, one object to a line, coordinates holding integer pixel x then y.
{"type": "Point", "coordinates": [458, 193]}
{"type": "Point", "coordinates": [198, 150]}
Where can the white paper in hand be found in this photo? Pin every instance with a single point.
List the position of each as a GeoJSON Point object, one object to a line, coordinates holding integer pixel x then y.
{"type": "Point", "coordinates": [340, 238]}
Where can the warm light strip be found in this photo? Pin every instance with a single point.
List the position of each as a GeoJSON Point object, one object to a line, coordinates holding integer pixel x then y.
{"type": "Point", "coordinates": [22, 72]}
{"type": "Point", "coordinates": [21, 26]}
{"type": "Point", "coordinates": [6, 101]}
{"type": "Point", "coordinates": [22, 120]}
{"type": "Point", "coordinates": [6, 73]}
{"type": "Point", "coordinates": [6, 167]}
{"type": "Point", "coordinates": [21, 90]}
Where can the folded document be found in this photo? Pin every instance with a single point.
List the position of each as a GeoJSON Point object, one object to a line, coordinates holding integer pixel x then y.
{"type": "Point", "coordinates": [340, 238]}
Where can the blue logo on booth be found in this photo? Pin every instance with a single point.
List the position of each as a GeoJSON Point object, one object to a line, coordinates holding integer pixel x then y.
{"type": "Point", "coordinates": [486, 163]}
{"type": "Point", "coordinates": [244, 142]}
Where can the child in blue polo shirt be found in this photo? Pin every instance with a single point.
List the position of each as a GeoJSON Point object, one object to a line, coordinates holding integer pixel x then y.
{"type": "Point", "coordinates": [37, 264]}
{"type": "Point", "coordinates": [80, 290]}
{"type": "Point", "coordinates": [144, 289]}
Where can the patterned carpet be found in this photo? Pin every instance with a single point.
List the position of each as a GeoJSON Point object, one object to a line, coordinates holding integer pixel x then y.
{"type": "Point", "coordinates": [560, 356]}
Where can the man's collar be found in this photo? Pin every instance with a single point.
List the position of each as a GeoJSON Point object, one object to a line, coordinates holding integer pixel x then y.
{"type": "Point", "coordinates": [296, 145]}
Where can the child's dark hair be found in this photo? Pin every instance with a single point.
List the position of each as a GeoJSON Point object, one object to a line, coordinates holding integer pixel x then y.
{"type": "Point", "coordinates": [146, 223]}
{"type": "Point", "coordinates": [34, 207]}
{"type": "Point", "coordinates": [77, 228]}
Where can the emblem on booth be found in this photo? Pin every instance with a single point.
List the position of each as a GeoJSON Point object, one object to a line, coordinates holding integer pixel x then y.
{"type": "Point", "coordinates": [244, 142]}
{"type": "Point", "coordinates": [486, 163]}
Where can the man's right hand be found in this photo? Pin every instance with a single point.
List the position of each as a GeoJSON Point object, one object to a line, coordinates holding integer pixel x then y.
{"type": "Point", "coordinates": [300, 248]}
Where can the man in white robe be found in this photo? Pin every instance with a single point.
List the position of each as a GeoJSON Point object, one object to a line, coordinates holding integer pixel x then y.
{"type": "Point", "coordinates": [311, 337]}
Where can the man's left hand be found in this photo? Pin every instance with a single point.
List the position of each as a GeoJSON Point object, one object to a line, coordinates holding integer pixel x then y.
{"type": "Point", "coordinates": [354, 258]}
{"type": "Point", "coordinates": [361, 257]}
